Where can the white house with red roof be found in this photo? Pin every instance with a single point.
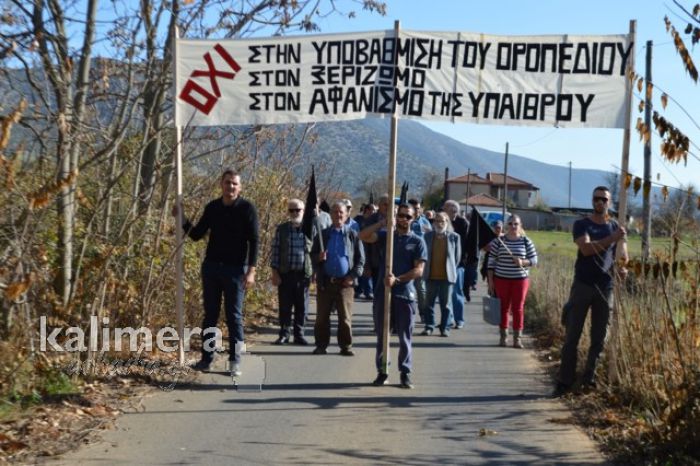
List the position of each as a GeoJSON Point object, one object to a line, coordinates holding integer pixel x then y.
{"type": "Point", "coordinates": [487, 192]}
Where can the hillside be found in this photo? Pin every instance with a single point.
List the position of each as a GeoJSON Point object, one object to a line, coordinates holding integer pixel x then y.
{"type": "Point", "coordinates": [360, 150]}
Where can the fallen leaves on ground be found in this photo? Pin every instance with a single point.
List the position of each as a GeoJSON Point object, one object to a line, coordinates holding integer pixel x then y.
{"type": "Point", "coordinates": [64, 422]}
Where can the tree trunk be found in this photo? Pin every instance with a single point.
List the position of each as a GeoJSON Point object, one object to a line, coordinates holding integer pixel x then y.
{"type": "Point", "coordinates": [153, 101]}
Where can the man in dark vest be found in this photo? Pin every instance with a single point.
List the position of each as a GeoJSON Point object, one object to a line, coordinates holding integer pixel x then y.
{"type": "Point", "coordinates": [291, 273]}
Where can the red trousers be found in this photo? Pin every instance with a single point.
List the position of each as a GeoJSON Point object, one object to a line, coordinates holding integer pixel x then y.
{"type": "Point", "coordinates": [512, 295]}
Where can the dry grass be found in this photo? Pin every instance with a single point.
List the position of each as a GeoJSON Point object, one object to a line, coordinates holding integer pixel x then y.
{"type": "Point", "coordinates": [649, 412]}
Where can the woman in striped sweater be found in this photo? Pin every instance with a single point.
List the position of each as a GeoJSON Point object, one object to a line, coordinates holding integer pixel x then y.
{"type": "Point", "coordinates": [510, 259]}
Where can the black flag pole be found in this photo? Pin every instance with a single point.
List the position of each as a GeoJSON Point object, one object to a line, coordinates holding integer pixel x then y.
{"type": "Point", "coordinates": [479, 234]}
{"type": "Point", "coordinates": [403, 197]}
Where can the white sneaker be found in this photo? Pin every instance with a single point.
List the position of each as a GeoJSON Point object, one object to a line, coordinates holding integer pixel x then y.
{"type": "Point", "coordinates": [235, 369]}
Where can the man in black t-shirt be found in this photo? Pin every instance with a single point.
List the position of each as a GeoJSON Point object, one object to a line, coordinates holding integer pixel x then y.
{"type": "Point", "coordinates": [228, 268]}
{"type": "Point", "coordinates": [597, 238]}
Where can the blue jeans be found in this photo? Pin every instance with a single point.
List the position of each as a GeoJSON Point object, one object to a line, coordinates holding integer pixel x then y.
{"type": "Point", "coordinates": [470, 276]}
{"type": "Point", "coordinates": [458, 297]}
{"type": "Point", "coordinates": [402, 315]}
{"type": "Point", "coordinates": [441, 289]}
{"type": "Point", "coordinates": [293, 293]}
{"type": "Point", "coordinates": [222, 280]}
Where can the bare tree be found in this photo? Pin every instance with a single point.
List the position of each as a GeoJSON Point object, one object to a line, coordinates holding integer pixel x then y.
{"type": "Point", "coordinates": [83, 109]}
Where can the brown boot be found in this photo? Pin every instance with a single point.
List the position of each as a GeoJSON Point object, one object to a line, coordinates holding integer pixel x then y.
{"type": "Point", "coordinates": [517, 339]}
{"type": "Point", "coordinates": [504, 337]}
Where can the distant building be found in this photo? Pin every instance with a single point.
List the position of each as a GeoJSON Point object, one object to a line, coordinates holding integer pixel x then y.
{"type": "Point", "coordinates": [482, 202]}
{"type": "Point", "coordinates": [520, 193]}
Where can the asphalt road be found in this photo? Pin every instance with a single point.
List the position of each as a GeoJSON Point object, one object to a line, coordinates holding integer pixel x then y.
{"type": "Point", "coordinates": [474, 403]}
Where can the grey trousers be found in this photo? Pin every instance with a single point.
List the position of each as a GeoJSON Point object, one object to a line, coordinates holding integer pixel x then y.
{"type": "Point", "coordinates": [582, 298]}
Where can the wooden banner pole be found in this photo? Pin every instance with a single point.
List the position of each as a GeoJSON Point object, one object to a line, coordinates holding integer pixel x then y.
{"type": "Point", "coordinates": [179, 256]}
{"type": "Point", "coordinates": [622, 202]}
{"type": "Point", "coordinates": [390, 222]}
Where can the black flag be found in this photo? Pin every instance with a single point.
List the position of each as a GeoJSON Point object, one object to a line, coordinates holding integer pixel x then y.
{"type": "Point", "coordinates": [371, 197]}
{"type": "Point", "coordinates": [479, 235]}
{"type": "Point", "coordinates": [404, 193]}
{"type": "Point", "coordinates": [309, 219]}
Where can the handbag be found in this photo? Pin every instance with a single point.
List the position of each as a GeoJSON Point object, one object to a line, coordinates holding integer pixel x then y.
{"type": "Point", "coordinates": [492, 310]}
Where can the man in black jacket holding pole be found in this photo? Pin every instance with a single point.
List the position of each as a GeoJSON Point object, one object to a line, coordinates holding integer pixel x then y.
{"type": "Point", "coordinates": [229, 265]}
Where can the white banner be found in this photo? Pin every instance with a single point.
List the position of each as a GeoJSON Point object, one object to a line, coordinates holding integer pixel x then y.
{"type": "Point", "coordinates": [565, 81]}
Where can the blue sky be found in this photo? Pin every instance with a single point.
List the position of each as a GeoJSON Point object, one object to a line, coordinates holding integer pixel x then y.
{"type": "Point", "coordinates": [585, 148]}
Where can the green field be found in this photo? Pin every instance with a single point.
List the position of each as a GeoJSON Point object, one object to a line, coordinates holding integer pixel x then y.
{"type": "Point", "coordinates": [559, 242]}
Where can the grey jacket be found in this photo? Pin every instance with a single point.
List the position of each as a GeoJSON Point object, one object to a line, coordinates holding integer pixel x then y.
{"type": "Point", "coordinates": [454, 252]}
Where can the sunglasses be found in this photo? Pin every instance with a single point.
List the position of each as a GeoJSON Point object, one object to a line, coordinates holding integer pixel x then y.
{"type": "Point", "coordinates": [405, 216]}
{"type": "Point", "coordinates": [293, 211]}
{"type": "Point", "coordinates": [600, 199]}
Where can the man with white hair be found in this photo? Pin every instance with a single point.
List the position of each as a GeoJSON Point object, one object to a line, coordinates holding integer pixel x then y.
{"type": "Point", "coordinates": [291, 273]}
{"type": "Point", "coordinates": [339, 259]}
{"type": "Point", "coordinates": [460, 225]}
{"type": "Point", "coordinates": [351, 221]}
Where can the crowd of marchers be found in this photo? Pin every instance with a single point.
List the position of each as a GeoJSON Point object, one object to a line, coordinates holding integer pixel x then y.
{"type": "Point", "coordinates": [345, 257]}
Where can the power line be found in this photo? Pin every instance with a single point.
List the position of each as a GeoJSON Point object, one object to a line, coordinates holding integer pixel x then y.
{"type": "Point", "coordinates": [538, 139]}
{"type": "Point", "coordinates": [654, 183]}
{"type": "Point", "coordinates": [665, 165]}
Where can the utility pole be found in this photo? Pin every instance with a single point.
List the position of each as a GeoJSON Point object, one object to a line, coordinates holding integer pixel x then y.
{"type": "Point", "coordinates": [646, 191]}
{"type": "Point", "coordinates": [444, 189]}
{"type": "Point", "coordinates": [569, 185]}
{"type": "Point", "coordinates": [505, 185]}
{"type": "Point", "coordinates": [614, 345]}
{"type": "Point", "coordinates": [469, 188]}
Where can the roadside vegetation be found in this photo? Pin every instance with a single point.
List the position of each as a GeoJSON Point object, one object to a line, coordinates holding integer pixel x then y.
{"type": "Point", "coordinates": [87, 182]}
{"type": "Point", "coordinates": [646, 409]}
{"type": "Point", "coordinates": [87, 178]}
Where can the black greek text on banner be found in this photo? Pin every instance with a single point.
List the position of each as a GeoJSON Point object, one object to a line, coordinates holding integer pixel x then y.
{"type": "Point", "coordinates": [565, 81]}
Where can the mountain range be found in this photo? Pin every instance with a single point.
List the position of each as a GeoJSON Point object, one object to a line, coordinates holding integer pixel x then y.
{"type": "Point", "coordinates": [360, 151]}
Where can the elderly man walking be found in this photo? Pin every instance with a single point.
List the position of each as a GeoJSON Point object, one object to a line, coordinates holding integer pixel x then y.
{"type": "Point", "coordinates": [291, 273]}
{"type": "Point", "coordinates": [444, 251]}
{"type": "Point", "coordinates": [339, 259]}
{"type": "Point", "coordinates": [460, 225]}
